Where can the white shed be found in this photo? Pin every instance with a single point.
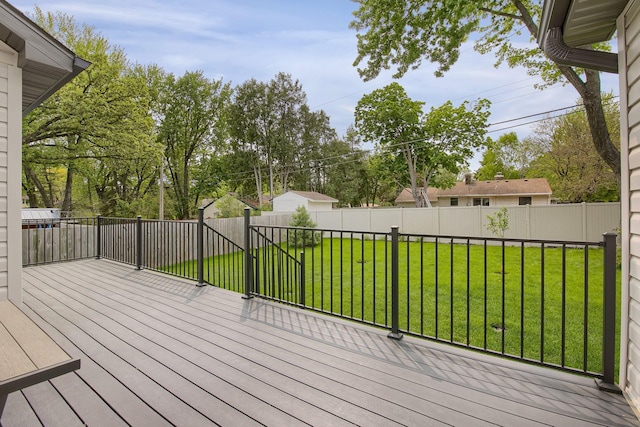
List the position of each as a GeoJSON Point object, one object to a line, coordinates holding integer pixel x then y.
{"type": "Point", "coordinates": [312, 201]}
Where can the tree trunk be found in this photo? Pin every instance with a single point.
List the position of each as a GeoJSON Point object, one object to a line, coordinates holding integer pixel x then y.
{"type": "Point", "coordinates": [31, 195]}
{"type": "Point", "coordinates": [68, 190]}
{"type": "Point", "coordinates": [31, 176]}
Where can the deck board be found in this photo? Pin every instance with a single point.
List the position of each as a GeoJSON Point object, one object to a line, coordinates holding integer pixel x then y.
{"type": "Point", "coordinates": [157, 350]}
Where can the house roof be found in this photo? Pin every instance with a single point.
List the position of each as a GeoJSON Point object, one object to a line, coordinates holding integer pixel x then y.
{"type": "Point", "coordinates": [499, 187]}
{"type": "Point", "coordinates": [314, 196]}
{"type": "Point", "coordinates": [46, 64]}
{"type": "Point", "coordinates": [406, 196]}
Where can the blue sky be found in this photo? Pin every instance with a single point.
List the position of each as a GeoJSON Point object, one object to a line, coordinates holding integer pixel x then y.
{"type": "Point", "coordinates": [311, 40]}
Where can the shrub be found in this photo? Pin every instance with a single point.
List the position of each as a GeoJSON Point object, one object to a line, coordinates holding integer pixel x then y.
{"type": "Point", "coordinates": [306, 237]}
{"type": "Point", "coordinates": [499, 222]}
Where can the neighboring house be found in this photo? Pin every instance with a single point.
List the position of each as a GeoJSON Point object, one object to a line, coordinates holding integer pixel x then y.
{"type": "Point", "coordinates": [406, 200]}
{"type": "Point", "coordinates": [33, 65]}
{"type": "Point", "coordinates": [564, 27]}
{"type": "Point", "coordinates": [231, 201]}
{"type": "Point", "coordinates": [312, 201]}
{"type": "Point", "coordinates": [495, 192]}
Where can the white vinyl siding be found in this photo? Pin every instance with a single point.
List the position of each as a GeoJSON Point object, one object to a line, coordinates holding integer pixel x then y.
{"type": "Point", "coordinates": [10, 175]}
{"type": "Point", "coordinates": [289, 202]}
{"type": "Point", "coordinates": [630, 149]}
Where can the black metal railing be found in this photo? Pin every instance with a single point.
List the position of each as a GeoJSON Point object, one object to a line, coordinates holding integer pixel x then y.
{"type": "Point", "coordinates": [277, 273]}
{"type": "Point", "coordinates": [117, 239]}
{"type": "Point", "coordinates": [543, 302]}
{"type": "Point", "coordinates": [551, 303]}
{"type": "Point", "coordinates": [61, 239]}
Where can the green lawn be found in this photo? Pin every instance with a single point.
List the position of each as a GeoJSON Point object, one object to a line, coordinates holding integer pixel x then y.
{"type": "Point", "coordinates": [458, 303]}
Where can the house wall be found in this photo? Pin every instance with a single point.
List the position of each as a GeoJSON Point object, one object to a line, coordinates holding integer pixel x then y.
{"type": "Point", "coordinates": [629, 59]}
{"type": "Point", "coordinates": [10, 175]}
{"type": "Point", "coordinates": [445, 201]}
{"type": "Point", "coordinates": [289, 202]}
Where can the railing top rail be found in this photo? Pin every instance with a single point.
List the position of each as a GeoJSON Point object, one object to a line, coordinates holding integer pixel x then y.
{"type": "Point", "coordinates": [324, 230]}
{"type": "Point", "coordinates": [186, 221]}
{"type": "Point", "coordinates": [504, 239]}
{"type": "Point", "coordinates": [439, 236]}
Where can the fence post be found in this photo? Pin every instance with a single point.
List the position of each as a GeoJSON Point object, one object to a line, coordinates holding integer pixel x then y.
{"type": "Point", "coordinates": [139, 243]}
{"type": "Point", "coordinates": [200, 248]}
{"type": "Point", "coordinates": [609, 328]}
{"type": "Point", "coordinates": [248, 270]}
{"type": "Point", "coordinates": [302, 281]}
{"type": "Point", "coordinates": [395, 294]}
{"type": "Point", "coordinates": [98, 237]}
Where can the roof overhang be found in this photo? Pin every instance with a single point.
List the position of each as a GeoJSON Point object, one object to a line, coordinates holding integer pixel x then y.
{"type": "Point", "coordinates": [567, 26]}
{"type": "Point", "coordinates": [46, 64]}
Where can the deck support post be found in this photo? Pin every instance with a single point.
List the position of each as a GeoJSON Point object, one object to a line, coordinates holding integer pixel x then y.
{"type": "Point", "coordinates": [200, 247]}
{"type": "Point", "coordinates": [98, 237]}
{"type": "Point", "coordinates": [395, 294]}
{"type": "Point", "coordinates": [607, 382]}
{"type": "Point", "coordinates": [139, 243]}
{"type": "Point", "coordinates": [248, 270]}
{"type": "Point", "coordinates": [302, 281]}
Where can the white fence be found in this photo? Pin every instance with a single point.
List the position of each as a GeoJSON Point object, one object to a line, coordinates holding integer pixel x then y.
{"type": "Point", "coordinates": [574, 222]}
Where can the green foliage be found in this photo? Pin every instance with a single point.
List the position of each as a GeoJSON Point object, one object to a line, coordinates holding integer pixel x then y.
{"type": "Point", "coordinates": [401, 34]}
{"type": "Point", "coordinates": [498, 223]}
{"type": "Point", "coordinates": [95, 130]}
{"type": "Point", "coordinates": [575, 171]}
{"type": "Point", "coordinates": [421, 145]}
{"type": "Point", "coordinates": [229, 207]}
{"type": "Point", "coordinates": [303, 237]}
{"type": "Point", "coordinates": [192, 110]}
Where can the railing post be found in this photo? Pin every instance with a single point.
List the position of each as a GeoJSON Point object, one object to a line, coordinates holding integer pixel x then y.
{"type": "Point", "coordinates": [395, 294]}
{"type": "Point", "coordinates": [200, 244]}
{"type": "Point", "coordinates": [302, 281]}
{"type": "Point", "coordinates": [98, 237]}
{"type": "Point", "coordinates": [139, 243]}
{"type": "Point", "coordinates": [609, 328]}
{"type": "Point", "coordinates": [248, 270]}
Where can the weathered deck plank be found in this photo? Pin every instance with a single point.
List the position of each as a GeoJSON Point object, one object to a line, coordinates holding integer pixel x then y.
{"type": "Point", "coordinates": [157, 350]}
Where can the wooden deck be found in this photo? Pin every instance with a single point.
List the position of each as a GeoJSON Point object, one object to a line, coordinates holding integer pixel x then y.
{"type": "Point", "coordinates": [157, 350]}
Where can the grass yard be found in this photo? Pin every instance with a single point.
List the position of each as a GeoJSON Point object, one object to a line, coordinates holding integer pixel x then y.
{"type": "Point", "coordinates": [446, 292]}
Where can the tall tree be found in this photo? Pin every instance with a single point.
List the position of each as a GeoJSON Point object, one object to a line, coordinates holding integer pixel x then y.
{"type": "Point", "coordinates": [404, 33]}
{"type": "Point", "coordinates": [192, 113]}
{"type": "Point", "coordinates": [248, 125]}
{"type": "Point", "coordinates": [96, 120]}
{"type": "Point", "coordinates": [576, 173]}
{"type": "Point", "coordinates": [443, 139]}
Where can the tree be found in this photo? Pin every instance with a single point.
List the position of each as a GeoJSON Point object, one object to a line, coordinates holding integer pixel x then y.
{"type": "Point", "coordinates": [192, 125]}
{"type": "Point", "coordinates": [96, 128]}
{"type": "Point", "coordinates": [576, 173]}
{"type": "Point", "coordinates": [304, 237]}
{"type": "Point", "coordinates": [443, 139]}
{"type": "Point", "coordinates": [404, 33]}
